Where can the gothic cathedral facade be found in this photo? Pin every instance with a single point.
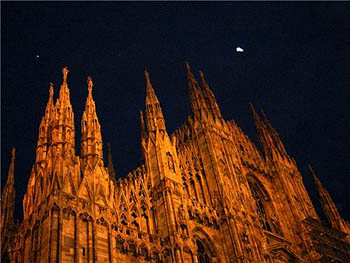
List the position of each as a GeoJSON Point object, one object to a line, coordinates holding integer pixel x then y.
{"type": "Point", "coordinates": [204, 194]}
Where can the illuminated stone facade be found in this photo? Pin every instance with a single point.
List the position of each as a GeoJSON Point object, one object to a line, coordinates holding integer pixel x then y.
{"type": "Point", "coordinates": [204, 194]}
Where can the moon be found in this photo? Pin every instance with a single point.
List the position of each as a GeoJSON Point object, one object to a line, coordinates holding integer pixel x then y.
{"type": "Point", "coordinates": [239, 49]}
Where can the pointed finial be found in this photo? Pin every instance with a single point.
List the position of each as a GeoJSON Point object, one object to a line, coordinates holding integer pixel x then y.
{"type": "Point", "coordinates": [204, 83]}
{"type": "Point", "coordinates": [266, 121]}
{"type": "Point", "coordinates": [51, 89]}
{"type": "Point", "coordinates": [201, 75]}
{"type": "Point", "coordinates": [13, 153]}
{"type": "Point", "coordinates": [313, 174]}
{"type": "Point", "coordinates": [147, 75]}
{"type": "Point", "coordinates": [65, 73]}
{"type": "Point", "coordinates": [252, 108]}
{"type": "Point", "coordinates": [90, 84]}
{"type": "Point", "coordinates": [149, 89]}
{"type": "Point", "coordinates": [111, 170]}
{"type": "Point", "coordinates": [188, 66]}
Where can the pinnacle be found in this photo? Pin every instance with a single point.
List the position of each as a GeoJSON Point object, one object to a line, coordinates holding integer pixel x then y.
{"type": "Point", "coordinates": [188, 66]}
{"type": "Point", "coordinates": [204, 83]}
{"type": "Point", "coordinates": [201, 75]}
{"type": "Point", "coordinates": [90, 84]}
{"type": "Point", "coordinates": [147, 75]}
{"type": "Point", "coordinates": [151, 96]}
{"type": "Point", "coordinates": [253, 110]}
{"type": "Point", "coordinates": [51, 89]}
{"type": "Point", "coordinates": [65, 72]}
{"type": "Point", "coordinates": [10, 177]}
{"type": "Point", "coordinates": [317, 181]}
{"type": "Point", "coordinates": [13, 154]}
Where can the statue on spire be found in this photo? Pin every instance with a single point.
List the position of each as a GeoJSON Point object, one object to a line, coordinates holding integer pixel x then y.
{"type": "Point", "coordinates": [65, 73]}
{"type": "Point", "coordinates": [90, 83]}
{"type": "Point", "coordinates": [51, 89]}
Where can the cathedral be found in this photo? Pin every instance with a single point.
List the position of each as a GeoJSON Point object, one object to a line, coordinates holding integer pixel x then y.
{"type": "Point", "coordinates": [203, 194]}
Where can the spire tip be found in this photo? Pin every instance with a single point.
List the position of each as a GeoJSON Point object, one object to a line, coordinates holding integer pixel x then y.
{"type": "Point", "coordinates": [188, 66]}
{"type": "Point", "coordinates": [201, 74]}
{"type": "Point", "coordinates": [146, 75]}
{"type": "Point", "coordinates": [13, 152]}
{"type": "Point", "coordinates": [252, 107]}
{"type": "Point", "coordinates": [65, 73]}
{"type": "Point", "coordinates": [51, 89]}
{"type": "Point", "coordinates": [90, 83]}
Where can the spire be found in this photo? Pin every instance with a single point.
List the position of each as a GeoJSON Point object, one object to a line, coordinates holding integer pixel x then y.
{"type": "Point", "coordinates": [8, 198]}
{"type": "Point", "coordinates": [64, 91]}
{"type": "Point", "coordinates": [264, 139]}
{"type": "Point", "coordinates": [210, 97]}
{"type": "Point", "coordinates": [154, 115]}
{"type": "Point", "coordinates": [268, 137]}
{"type": "Point", "coordinates": [44, 128]}
{"type": "Point", "coordinates": [111, 170]}
{"type": "Point", "coordinates": [11, 172]}
{"type": "Point", "coordinates": [91, 139]}
{"type": "Point", "coordinates": [63, 131]}
{"type": "Point", "coordinates": [197, 100]}
{"type": "Point", "coordinates": [329, 208]}
{"type": "Point", "coordinates": [274, 134]}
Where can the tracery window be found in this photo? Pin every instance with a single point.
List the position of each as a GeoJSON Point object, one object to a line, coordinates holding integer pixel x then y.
{"type": "Point", "coordinates": [265, 209]}
{"type": "Point", "coordinates": [202, 253]}
{"type": "Point", "coordinates": [260, 209]}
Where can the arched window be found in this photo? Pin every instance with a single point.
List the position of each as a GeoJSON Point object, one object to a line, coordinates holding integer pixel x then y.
{"type": "Point", "coordinates": [260, 209]}
{"type": "Point", "coordinates": [266, 211]}
{"type": "Point", "coordinates": [170, 162]}
{"type": "Point", "coordinates": [202, 253]}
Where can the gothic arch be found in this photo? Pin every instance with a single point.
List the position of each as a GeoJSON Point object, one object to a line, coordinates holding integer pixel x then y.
{"type": "Point", "coordinates": [264, 206]}
{"type": "Point", "coordinates": [204, 246]}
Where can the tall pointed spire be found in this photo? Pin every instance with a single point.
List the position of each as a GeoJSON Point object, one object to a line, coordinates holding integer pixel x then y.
{"type": "Point", "coordinates": [8, 200]}
{"type": "Point", "coordinates": [63, 131]}
{"type": "Point", "coordinates": [274, 134]}
{"type": "Point", "coordinates": [91, 139]}
{"type": "Point", "coordinates": [210, 97]}
{"type": "Point", "coordinates": [329, 208]}
{"type": "Point", "coordinates": [154, 115]}
{"type": "Point", "coordinates": [111, 170]}
{"type": "Point", "coordinates": [268, 137]}
{"type": "Point", "coordinates": [45, 127]}
{"type": "Point", "coordinates": [197, 100]}
{"type": "Point", "coordinates": [64, 95]}
{"type": "Point", "coordinates": [264, 138]}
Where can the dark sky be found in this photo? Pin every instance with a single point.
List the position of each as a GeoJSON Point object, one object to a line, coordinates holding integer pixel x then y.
{"type": "Point", "coordinates": [295, 66]}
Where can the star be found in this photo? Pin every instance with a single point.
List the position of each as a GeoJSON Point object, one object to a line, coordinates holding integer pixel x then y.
{"type": "Point", "coordinates": [37, 56]}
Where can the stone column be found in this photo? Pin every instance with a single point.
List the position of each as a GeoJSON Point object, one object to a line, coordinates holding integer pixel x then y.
{"type": "Point", "coordinates": [77, 239]}
{"type": "Point", "coordinates": [94, 256]}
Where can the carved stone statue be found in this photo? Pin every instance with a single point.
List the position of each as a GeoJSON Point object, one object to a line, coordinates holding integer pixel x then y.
{"type": "Point", "coordinates": [65, 73]}
{"type": "Point", "coordinates": [90, 83]}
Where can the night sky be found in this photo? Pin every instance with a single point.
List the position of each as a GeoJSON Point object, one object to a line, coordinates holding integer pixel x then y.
{"type": "Point", "coordinates": [295, 66]}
